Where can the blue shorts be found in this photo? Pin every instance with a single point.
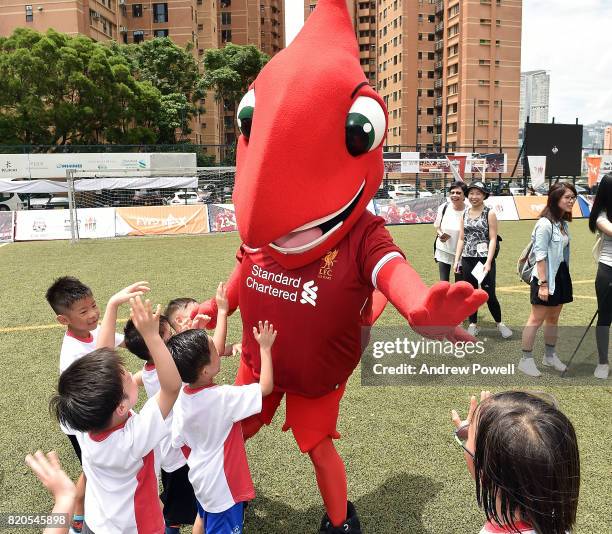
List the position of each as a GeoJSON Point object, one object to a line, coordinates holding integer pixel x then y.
{"type": "Point", "coordinates": [229, 521]}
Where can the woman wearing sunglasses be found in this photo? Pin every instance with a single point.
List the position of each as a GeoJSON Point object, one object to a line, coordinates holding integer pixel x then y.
{"type": "Point", "coordinates": [522, 452]}
{"type": "Point", "coordinates": [447, 225]}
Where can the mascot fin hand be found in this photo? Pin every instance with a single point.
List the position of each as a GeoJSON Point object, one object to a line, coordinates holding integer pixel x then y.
{"type": "Point", "coordinates": [432, 312]}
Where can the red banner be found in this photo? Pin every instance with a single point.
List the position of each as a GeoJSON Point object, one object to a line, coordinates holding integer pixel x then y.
{"type": "Point", "coordinates": [593, 163]}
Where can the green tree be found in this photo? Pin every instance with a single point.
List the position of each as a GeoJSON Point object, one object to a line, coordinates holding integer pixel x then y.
{"type": "Point", "coordinates": [58, 89]}
{"type": "Point", "coordinates": [228, 72]}
{"type": "Point", "coordinates": [174, 72]}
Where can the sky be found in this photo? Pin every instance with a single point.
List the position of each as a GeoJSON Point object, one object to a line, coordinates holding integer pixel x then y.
{"type": "Point", "coordinates": [570, 39]}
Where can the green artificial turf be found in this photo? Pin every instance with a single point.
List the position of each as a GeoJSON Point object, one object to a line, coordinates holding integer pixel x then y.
{"type": "Point", "coordinates": [405, 473]}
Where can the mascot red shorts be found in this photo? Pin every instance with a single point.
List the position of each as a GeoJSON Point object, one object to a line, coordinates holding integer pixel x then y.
{"type": "Point", "coordinates": [310, 419]}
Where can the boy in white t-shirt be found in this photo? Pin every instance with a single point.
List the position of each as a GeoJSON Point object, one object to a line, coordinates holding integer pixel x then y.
{"type": "Point", "coordinates": [177, 495]}
{"type": "Point", "coordinates": [207, 419]}
{"type": "Point", "coordinates": [95, 397]}
{"type": "Point", "coordinates": [76, 309]}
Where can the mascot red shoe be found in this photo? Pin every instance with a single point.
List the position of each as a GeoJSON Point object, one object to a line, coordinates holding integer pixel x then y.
{"type": "Point", "coordinates": [308, 162]}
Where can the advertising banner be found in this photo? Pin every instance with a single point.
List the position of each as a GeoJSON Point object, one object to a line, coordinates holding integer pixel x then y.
{"type": "Point", "coordinates": [409, 210]}
{"type": "Point", "coordinates": [222, 218]}
{"type": "Point", "coordinates": [503, 207]}
{"type": "Point", "coordinates": [586, 203]}
{"type": "Point", "coordinates": [530, 207]}
{"type": "Point", "coordinates": [161, 220]}
{"type": "Point", "coordinates": [593, 165]}
{"type": "Point", "coordinates": [457, 166]}
{"type": "Point", "coordinates": [32, 166]}
{"type": "Point", "coordinates": [7, 219]}
{"type": "Point", "coordinates": [427, 162]}
{"type": "Point", "coordinates": [537, 170]}
{"type": "Point", "coordinates": [36, 225]}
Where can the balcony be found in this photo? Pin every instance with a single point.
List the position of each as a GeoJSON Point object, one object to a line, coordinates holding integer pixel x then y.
{"type": "Point", "coordinates": [439, 27]}
{"type": "Point", "coordinates": [438, 102]}
{"type": "Point", "coordinates": [438, 84]}
{"type": "Point", "coordinates": [439, 45]}
{"type": "Point", "coordinates": [439, 6]}
{"type": "Point", "coordinates": [438, 121]}
{"type": "Point", "coordinates": [438, 65]}
{"type": "Point", "coordinates": [437, 138]}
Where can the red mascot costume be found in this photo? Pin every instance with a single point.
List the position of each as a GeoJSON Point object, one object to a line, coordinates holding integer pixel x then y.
{"type": "Point", "coordinates": [308, 162]}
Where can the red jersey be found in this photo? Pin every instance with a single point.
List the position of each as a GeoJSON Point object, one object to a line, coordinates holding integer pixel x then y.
{"type": "Point", "coordinates": [316, 308]}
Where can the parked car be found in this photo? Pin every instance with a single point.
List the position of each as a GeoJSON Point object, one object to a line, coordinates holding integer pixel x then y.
{"type": "Point", "coordinates": [189, 197]}
{"type": "Point", "coordinates": [9, 202]}
{"type": "Point", "coordinates": [144, 197]}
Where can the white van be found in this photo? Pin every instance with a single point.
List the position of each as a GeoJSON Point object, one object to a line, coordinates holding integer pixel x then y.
{"type": "Point", "coordinates": [9, 202]}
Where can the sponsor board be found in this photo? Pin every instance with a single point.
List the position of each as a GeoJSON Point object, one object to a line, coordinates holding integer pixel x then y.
{"type": "Point", "coordinates": [503, 207]}
{"type": "Point", "coordinates": [55, 224]}
{"type": "Point", "coordinates": [409, 210]}
{"type": "Point", "coordinates": [222, 218]}
{"type": "Point", "coordinates": [530, 207]}
{"type": "Point", "coordinates": [7, 219]}
{"type": "Point", "coordinates": [161, 220]}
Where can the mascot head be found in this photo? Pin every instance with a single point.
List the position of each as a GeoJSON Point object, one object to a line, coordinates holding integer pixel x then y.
{"type": "Point", "coordinates": [310, 155]}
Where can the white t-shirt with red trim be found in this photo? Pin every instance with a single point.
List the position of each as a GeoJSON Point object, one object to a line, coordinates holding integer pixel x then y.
{"type": "Point", "coordinates": [207, 420]}
{"type": "Point", "coordinates": [171, 458]}
{"type": "Point", "coordinates": [122, 491]}
{"type": "Point", "coordinates": [330, 297]}
{"type": "Point", "coordinates": [492, 528]}
{"type": "Point", "coordinates": [73, 348]}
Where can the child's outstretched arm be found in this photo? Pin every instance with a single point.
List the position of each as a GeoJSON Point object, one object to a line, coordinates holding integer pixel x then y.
{"type": "Point", "coordinates": [222, 313]}
{"type": "Point", "coordinates": [106, 336]}
{"type": "Point", "coordinates": [209, 307]}
{"type": "Point", "coordinates": [49, 471]}
{"type": "Point", "coordinates": [265, 336]}
{"type": "Point", "coordinates": [147, 323]}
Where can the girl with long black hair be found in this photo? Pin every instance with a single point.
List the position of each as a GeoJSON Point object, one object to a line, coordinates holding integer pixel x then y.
{"type": "Point", "coordinates": [601, 220]}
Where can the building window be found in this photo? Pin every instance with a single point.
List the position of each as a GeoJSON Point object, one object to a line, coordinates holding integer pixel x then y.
{"type": "Point", "coordinates": [138, 36]}
{"type": "Point", "coordinates": [226, 18]}
{"type": "Point", "coordinates": [160, 12]}
{"type": "Point", "coordinates": [228, 3]}
{"type": "Point", "coordinates": [160, 33]}
{"type": "Point", "coordinates": [226, 36]}
{"type": "Point", "coordinates": [29, 13]}
{"type": "Point", "coordinates": [136, 10]}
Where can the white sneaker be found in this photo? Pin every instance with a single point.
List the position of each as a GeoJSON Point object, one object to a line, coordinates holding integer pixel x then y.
{"type": "Point", "coordinates": [473, 329]}
{"type": "Point", "coordinates": [554, 362]}
{"type": "Point", "coordinates": [528, 366]}
{"type": "Point", "coordinates": [504, 330]}
{"type": "Point", "coordinates": [602, 371]}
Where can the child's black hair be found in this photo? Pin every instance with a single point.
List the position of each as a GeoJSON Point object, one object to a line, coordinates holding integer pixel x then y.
{"type": "Point", "coordinates": [135, 343]}
{"type": "Point", "coordinates": [89, 391]}
{"type": "Point", "coordinates": [64, 292]}
{"type": "Point", "coordinates": [190, 353]}
{"type": "Point", "coordinates": [526, 461]}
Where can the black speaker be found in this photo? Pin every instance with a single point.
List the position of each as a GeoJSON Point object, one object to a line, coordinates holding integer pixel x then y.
{"type": "Point", "coordinates": [560, 143]}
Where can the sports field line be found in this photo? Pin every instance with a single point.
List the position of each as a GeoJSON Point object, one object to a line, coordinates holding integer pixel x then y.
{"type": "Point", "coordinates": [26, 328]}
{"type": "Point", "coordinates": [3, 245]}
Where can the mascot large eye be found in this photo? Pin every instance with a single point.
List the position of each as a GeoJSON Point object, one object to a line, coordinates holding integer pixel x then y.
{"type": "Point", "coordinates": [245, 113]}
{"type": "Point", "coordinates": [365, 126]}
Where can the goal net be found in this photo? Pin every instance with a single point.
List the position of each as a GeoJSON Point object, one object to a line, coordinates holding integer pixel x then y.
{"type": "Point", "coordinates": [121, 188]}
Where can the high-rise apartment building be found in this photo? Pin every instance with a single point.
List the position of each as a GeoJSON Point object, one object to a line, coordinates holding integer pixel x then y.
{"type": "Point", "coordinates": [535, 87]}
{"type": "Point", "coordinates": [201, 24]}
{"type": "Point", "coordinates": [449, 70]}
{"type": "Point", "coordinates": [260, 23]}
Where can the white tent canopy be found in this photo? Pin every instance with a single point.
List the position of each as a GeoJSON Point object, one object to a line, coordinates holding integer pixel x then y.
{"type": "Point", "coordinates": [97, 184]}
{"type": "Point", "coordinates": [32, 186]}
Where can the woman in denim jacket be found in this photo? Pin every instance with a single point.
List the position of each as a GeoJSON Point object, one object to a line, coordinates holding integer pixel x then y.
{"type": "Point", "coordinates": [551, 284]}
